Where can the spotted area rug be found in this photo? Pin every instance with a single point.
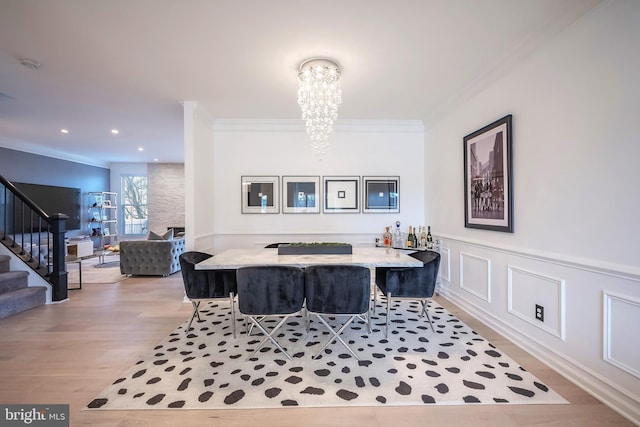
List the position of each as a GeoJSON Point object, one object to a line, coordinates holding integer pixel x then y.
{"type": "Point", "coordinates": [207, 368]}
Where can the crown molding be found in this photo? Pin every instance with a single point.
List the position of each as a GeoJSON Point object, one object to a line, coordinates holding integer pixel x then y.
{"type": "Point", "coordinates": [297, 125]}
{"type": "Point", "coordinates": [30, 148]}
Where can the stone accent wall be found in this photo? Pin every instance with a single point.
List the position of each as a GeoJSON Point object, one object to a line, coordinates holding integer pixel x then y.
{"type": "Point", "coordinates": [165, 196]}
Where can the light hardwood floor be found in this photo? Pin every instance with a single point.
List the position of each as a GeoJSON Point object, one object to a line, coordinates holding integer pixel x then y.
{"type": "Point", "coordinates": [69, 352]}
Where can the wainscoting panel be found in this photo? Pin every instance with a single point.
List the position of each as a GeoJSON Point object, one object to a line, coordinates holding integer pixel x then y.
{"type": "Point", "coordinates": [475, 275]}
{"type": "Point", "coordinates": [621, 332]}
{"type": "Point", "coordinates": [591, 312]}
{"type": "Point", "coordinates": [445, 264]}
{"type": "Point", "coordinates": [527, 289]}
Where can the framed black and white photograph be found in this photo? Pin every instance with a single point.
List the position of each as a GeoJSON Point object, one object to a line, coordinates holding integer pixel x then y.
{"type": "Point", "coordinates": [301, 194]}
{"type": "Point", "coordinates": [380, 194]}
{"type": "Point", "coordinates": [341, 194]}
{"type": "Point", "coordinates": [260, 194]}
{"type": "Point", "coordinates": [488, 178]}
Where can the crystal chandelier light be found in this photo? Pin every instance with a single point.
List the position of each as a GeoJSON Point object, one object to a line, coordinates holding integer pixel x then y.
{"type": "Point", "coordinates": [319, 96]}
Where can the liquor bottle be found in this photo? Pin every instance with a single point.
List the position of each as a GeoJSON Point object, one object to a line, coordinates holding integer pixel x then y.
{"type": "Point", "coordinates": [386, 237]}
{"type": "Point", "coordinates": [397, 238]}
{"type": "Point", "coordinates": [429, 238]}
{"type": "Point", "coordinates": [414, 238]}
{"type": "Point", "coordinates": [409, 238]}
{"type": "Point", "coordinates": [423, 238]}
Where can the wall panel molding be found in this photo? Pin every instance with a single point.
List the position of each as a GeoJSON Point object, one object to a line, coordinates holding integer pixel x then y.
{"type": "Point", "coordinates": [620, 332]}
{"type": "Point", "coordinates": [445, 263]}
{"type": "Point", "coordinates": [534, 286]}
{"type": "Point", "coordinates": [623, 400]}
{"type": "Point", "coordinates": [590, 265]}
{"type": "Point", "coordinates": [473, 285]}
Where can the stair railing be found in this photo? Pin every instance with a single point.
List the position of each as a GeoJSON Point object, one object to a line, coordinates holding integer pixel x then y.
{"type": "Point", "coordinates": [25, 229]}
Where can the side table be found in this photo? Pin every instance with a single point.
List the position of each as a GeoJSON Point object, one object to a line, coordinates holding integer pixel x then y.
{"type": "Point", "coordinates": [75, 260]}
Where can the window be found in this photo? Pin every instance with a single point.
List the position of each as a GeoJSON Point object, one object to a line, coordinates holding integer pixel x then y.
{"type": "Point", "coordinates": [134, 205]}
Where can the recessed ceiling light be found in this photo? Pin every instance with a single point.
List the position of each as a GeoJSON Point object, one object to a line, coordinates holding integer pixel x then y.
{"type": "Point", "coordinates": [140, 149]}
{"type": "Point", "coordinates": [115, 131]}
{"type": "Point", "coordinates": [64, 130]}
{"type": "Point", "coordinates": [155, 160]}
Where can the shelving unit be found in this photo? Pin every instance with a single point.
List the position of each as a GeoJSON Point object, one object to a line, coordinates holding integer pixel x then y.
{"type": "Point", "coordinates": [103, 220]}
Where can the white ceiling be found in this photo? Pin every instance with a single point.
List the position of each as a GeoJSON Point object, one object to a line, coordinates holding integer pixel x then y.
{"type": "Point", "coordinates": [129, 63]}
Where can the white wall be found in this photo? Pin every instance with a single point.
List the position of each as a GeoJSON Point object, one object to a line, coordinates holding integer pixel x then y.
{"type": "Point", "coordinates": [576, 245]}
{"type": "Point", "coordinates": [282, 148]}
{"type": "Point", "coordinates": [199, 177]}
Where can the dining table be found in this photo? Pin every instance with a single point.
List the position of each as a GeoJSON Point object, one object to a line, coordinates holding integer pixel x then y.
{"type": "Point", "coordinates": [371, 257]}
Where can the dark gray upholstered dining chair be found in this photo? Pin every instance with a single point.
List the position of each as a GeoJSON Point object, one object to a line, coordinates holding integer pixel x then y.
{"type": "Point", "coordinates": [206, 285]}
{"type": "Point", "coordinates": [417, 283]}
{"type": "Point", "coordinates": [267, 291]}
{"type": "Point", "coordinates": [338, 290]}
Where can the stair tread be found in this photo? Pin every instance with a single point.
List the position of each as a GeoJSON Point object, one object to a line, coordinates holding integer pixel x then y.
{"type": "Point", "coordinates": [20, 300]}
{"type": "Point", "coordinates": [13, 280]}
{"type": "Point", "coordinates": [23, 291]}
{"type": "Point", "coordinates": [16, 273]}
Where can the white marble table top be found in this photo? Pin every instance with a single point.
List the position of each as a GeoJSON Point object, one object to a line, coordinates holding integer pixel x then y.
{"type": "Point", "coordinates": [366, 257]}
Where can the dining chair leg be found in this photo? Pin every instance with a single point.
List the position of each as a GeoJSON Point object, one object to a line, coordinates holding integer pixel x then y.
{"type": "Point", "coordinates": [386, 330]}
{"type": "Point", "coordinates": [424, 311]}
{"type": "Point", "coordinates": [336, 336]}
{"type": "Point", "coordinates": [367, 320]}
{"type": "Point", "coordinates": [233, 313]}
{"type": "Point", "coordinates": [375, 298]}
{"type": "Point", "coordinates": [269, 336]}
{"type": "Point", "coordinates": [196, 305]}
{"type": "Point", "coordinates": [196, 308]}
{"type": "Point", "coordinates": [249, 325]}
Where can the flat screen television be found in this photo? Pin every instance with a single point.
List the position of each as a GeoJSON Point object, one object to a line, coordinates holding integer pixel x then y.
{"type": "Point", "coordinates": [53, 200]}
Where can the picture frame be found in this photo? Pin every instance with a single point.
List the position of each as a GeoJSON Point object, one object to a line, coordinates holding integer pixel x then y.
{"type": "Point", "coordinates": [301, 194]}
{"type": "Point", "coordinates": [380, 194]}
{"type": "Point", "coordinates": [341, 194]}
{"type": "Point", "coordinates": [488, 177]}
{"type": "Point", "coordinates": [260, 194]}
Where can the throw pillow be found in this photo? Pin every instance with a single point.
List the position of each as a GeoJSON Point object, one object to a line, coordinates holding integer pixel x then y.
{"type": "Point", "coordinates": [155, 236]}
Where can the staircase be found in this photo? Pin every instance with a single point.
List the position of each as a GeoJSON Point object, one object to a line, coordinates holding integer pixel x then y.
{"type": "Point", "coordinates": [15, 294]}
{"type": "Point", "coordinates": [35, 237]}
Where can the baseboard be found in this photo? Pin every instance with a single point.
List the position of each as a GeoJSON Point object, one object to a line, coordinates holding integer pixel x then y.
{"type": "Point", "coordinates": [622, 401]}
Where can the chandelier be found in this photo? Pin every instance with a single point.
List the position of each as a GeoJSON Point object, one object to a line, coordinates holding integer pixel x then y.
{"type": "Point", "coordinates": [319, 96]}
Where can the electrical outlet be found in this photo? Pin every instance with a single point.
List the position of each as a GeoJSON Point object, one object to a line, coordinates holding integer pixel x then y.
{"type": "Point", "coordinates": [540, 312]}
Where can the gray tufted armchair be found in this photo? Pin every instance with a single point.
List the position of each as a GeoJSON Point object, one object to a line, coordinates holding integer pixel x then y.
{"type": "Point", "coordinates": [151, 257]}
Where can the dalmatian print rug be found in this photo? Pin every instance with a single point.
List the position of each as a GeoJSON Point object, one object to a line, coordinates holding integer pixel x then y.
{"type": "Point", "coordinates": [207, 368]}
